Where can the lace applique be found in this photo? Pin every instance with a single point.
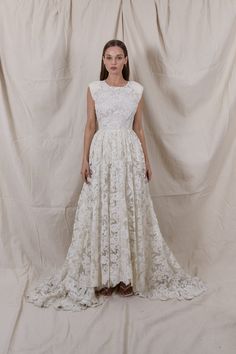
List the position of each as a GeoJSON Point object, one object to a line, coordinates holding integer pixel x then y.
{"type": "Point", "coordinates": [116, 106]}
{"type": "Point", "coordinates": [116, 235]}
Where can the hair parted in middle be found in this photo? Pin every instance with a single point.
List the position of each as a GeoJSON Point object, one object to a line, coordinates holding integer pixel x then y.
{"type": "Point", "coordinates": [115, 42]}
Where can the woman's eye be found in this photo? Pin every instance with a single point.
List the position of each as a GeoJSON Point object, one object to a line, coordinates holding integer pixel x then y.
{"type": "Point", "coordinates": [108, 58]}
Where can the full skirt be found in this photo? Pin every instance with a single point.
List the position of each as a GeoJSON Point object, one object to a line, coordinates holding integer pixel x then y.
{"type": "Point", "coordinates": [116, 235]}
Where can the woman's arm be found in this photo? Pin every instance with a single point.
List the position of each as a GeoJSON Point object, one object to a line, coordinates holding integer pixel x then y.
{"type": "Point", "coordinates": [138, 128]}
{"type": "Point", "coordinates": [90, 126]}
{"type": "Point", "coordinates": [90, 129]}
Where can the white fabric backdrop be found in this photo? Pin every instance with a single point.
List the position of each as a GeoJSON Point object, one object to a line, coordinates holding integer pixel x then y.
{"type": "Point", "coordinates": [183, 53]}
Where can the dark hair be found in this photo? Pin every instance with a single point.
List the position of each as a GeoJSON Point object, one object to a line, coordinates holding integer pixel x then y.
{"type": "Point", "coordinates": [125, 71]}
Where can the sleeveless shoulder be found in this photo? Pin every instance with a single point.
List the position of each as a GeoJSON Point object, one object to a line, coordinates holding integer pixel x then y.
{"type": "Point", "coordinates": [94, 87]}
{"type": "Point", "coordinates": [138, 88]}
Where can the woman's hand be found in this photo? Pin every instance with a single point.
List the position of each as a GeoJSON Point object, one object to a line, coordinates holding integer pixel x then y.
{"type": "Point", "coordinates": [85, 171]}
{"type": "Point", "coordinates": [148, 171]}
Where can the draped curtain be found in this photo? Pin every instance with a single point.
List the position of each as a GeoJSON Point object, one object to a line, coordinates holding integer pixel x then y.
{"type": "Point", "coordinates": [183, 53]}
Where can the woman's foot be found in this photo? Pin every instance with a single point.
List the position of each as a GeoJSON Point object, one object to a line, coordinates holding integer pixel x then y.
{"type": "Point", "coordinates": [125, 290]}
{"type": "Point", "coordinates": [121, 289]}
{"type": "Point", "coordinates": [105, 291]}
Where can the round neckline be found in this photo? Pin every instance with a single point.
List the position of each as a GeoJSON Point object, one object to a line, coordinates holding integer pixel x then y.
{"type": "Point", "coordinates": [115, 86]}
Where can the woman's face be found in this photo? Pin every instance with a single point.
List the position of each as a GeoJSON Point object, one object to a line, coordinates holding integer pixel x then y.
{"type": "Point", "coordinates": [114, 60]}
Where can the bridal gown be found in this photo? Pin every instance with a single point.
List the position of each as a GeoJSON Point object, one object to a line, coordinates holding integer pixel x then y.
{"type": "Point", "coordinates": [116, 235]}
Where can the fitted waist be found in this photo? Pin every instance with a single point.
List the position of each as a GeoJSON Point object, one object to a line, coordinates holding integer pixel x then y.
{"type": "Point", "coordinates": [121, 128]}
{"type": "Point", "coordinates": [115, 132]}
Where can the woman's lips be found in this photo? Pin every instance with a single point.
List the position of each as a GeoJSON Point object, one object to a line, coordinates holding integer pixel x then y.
{"type": "Point", "coordinates": [113, 67]}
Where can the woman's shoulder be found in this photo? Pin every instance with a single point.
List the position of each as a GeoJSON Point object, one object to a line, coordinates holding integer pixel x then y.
{"type": "Point", "coordinates": [94, 84]}
{"type": "Point", "coordinates": [138, 88]}
{"type": "Point", "coordinates": [94, 87]}
{"type": "Point", "coordinates": [136, 84]}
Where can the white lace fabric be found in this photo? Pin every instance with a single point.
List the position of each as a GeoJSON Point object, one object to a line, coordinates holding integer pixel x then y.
{"type": "Point", "coordinates": [116, 235]}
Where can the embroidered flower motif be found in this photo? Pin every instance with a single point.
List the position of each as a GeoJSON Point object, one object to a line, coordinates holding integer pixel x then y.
{"type": "Point", "coordinates": [116, 235]}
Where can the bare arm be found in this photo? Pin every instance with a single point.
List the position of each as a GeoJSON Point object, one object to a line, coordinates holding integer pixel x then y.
{"type": "Point", "coordinates": [90, 126]}
{"type": "Point", "coordinates": [89, 131]}
{"type": "Point", "coordinates": [138, 128]}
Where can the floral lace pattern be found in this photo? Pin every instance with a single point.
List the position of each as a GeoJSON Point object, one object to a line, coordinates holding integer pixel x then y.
{"type": "Point", "coordinates": [116, 235]}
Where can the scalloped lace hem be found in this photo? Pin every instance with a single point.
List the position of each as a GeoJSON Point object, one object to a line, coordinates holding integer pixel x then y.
{"type": "Point", "coordinates": [63, 296]}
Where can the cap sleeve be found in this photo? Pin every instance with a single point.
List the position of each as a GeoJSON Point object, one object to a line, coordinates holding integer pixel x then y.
{"type": "Point", "coordinates": [94, 86]}
{"type": "Point", "coordinates": [138, 89]}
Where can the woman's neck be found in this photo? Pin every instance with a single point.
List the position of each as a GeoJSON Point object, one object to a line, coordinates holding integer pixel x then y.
{"type": "Point", "coordinates": [115, 80]}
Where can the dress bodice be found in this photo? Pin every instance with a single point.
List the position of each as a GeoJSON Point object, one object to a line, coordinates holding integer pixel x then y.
{"type": "Point", "coordinates": [115, 106]}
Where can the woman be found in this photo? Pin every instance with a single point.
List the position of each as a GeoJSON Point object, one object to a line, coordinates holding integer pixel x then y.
{"type": "Point", "coordinates": [117, 245]}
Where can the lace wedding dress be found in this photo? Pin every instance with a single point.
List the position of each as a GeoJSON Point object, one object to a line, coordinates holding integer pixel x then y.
{"type": "Point", "coordinates": [116, 235]}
